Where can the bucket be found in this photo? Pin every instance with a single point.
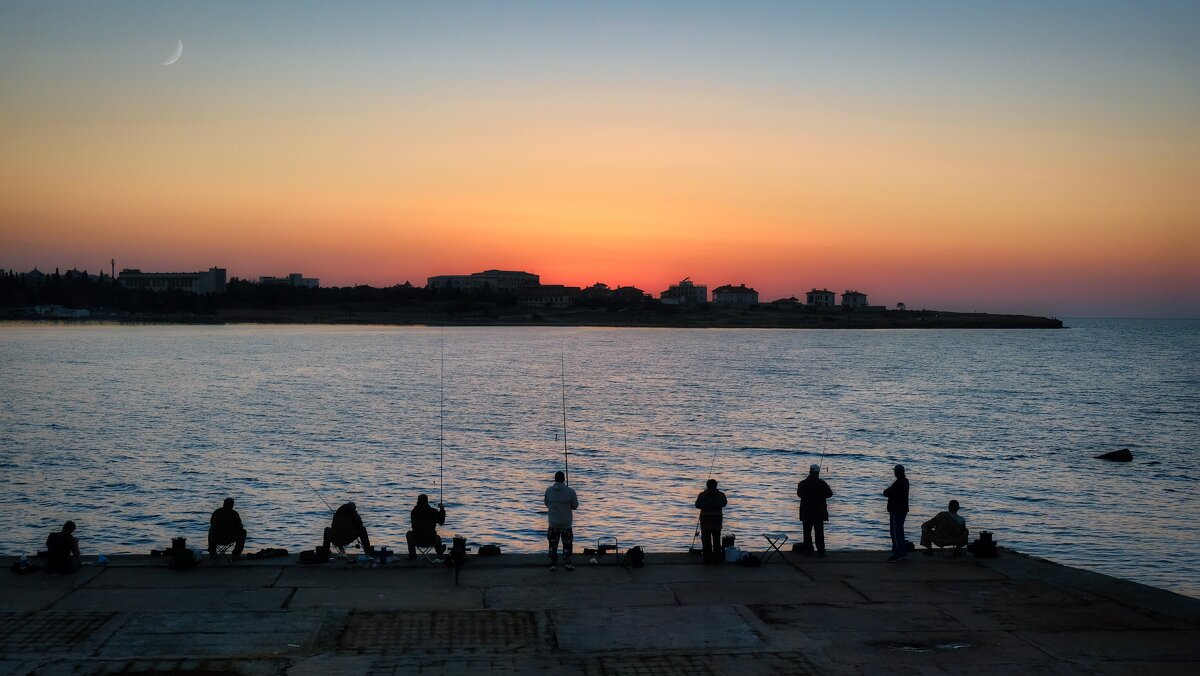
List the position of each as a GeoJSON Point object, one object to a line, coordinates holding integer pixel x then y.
{"type": "Point", "coordinates": [732, 554]}
{"type": "Point", "coordinates": [727, 541]}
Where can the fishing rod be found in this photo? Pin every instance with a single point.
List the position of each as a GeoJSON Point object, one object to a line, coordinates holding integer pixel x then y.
{"type": "Point", "coordinates": [824, 445]}
{"type": "Point", "coordinates": [712, 463]}
{"type": "Point", "coordinates": [314, 490]}
{"type": "Point", "coordinates": [442, 419]}
{"type": "Point", "coordinates": [563, 372]}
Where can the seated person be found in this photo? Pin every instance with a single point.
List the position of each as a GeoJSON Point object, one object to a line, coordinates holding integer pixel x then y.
{"type": "Point", "coordinates": [945, 529]}
{"type": "Point", "coordinates": [425, 520]}
{"type": "Point", "coordinates": [347, 527]}
{"type": "Point", "coordinates": [225, 527]}
{"type": "Point", "coordinates": [62, 550]}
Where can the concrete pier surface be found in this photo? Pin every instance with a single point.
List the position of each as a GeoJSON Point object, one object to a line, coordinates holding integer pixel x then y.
{"type": "Point", "coordinates": [850, 613]}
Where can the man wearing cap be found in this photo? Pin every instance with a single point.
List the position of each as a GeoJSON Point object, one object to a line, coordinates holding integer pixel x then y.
{"type": "Point", "coordinates": [710, 503]}
{"type": "Point", "coordinates": [944, 530]}
{"type": "Point", "coordinates": [897, 506]}
{"type": "Point", "coordinates": [814, 512]}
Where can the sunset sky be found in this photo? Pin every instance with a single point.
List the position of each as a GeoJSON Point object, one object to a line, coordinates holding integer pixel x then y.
{"type": "Point", "coordinates": [1039, 157]}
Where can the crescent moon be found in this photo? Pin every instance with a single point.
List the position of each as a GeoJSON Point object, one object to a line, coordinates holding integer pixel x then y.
{"type": "Point", "coordinates": [175, 57]}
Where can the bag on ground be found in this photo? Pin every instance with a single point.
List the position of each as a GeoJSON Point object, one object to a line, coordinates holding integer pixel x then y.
{"type": "Point", "coordinates": [268, 553]}
{"type": "Point", "coordinates": [311, 556]}
{"type": "Point", "coordinates": [749, 561]}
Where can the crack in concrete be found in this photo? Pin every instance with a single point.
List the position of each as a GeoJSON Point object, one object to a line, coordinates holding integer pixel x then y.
{"type": "Point", "coordinates": [847, 585]}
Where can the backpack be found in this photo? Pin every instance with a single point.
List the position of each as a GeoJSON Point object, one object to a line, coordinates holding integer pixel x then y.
{"type": "Point", "coordinates": [22, 566]}
{"type": "Point", "coordinates": [318, 555]}
{"type": "Point", "coordinates": [182, 558]}
{"type": "Point", "coordinates": [984, 547]}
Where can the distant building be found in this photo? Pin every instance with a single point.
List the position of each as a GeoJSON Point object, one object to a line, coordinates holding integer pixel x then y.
{"type": "Point", "coordinates": [550, 295]}
{"type": "Point", "coordinates": [630, 294]}
{"type": "Point", "coordinates": [820, 298]}
{"type": "Point", "coordinates": [35, 276]}
{"type": "Point", "coordinates": [463, 282]}
{"type": "Point", "coordinates": [735, 295]}
{"type": "Point", "coordinates": [786, 303]}
{"type": "Point", "coordinates": [685, 292]}
{"type": "Point", "coordinates": [597, 291]}
{"type": "Point", "coordinates": [293, 279]}
{"type": "Point", "coordinates": [211, 281]}
{"type": "Point", "coordinates": [853, 300]}
{"type": "Point", "coordinates": [507, 282]}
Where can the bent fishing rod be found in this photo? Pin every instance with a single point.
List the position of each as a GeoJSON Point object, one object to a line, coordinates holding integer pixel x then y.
{"type": "Point", "coordinates": [314, 490]}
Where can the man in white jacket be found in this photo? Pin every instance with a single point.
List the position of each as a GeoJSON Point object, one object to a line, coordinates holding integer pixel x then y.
{"type": "Point", "coordinates": [561, 502]}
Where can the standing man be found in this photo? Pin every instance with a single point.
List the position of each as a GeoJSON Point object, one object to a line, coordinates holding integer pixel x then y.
{"type": "Point", "coordinates": [710, 503]}
{"type": "Point", "coordinates": [814, 511]}
{"type": "Point", "coordinates": [561, 502]}
{"type": "Point", "coordinates": [897, 495]}
{"type": "Point", "coordinates": [225, 527]}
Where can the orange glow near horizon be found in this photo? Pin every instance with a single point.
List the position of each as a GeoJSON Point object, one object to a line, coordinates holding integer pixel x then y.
{"type": "Point", "coordinates": [965, 198]}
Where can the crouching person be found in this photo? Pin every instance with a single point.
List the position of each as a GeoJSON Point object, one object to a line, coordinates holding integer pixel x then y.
{"type": "Point", "coordinates": [947, 529]}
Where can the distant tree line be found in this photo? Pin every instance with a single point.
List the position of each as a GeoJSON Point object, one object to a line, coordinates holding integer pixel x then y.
{"type": "Point", "coordinates": [80, 290]}
{"type": "Point", "coordinates": [76, 289]}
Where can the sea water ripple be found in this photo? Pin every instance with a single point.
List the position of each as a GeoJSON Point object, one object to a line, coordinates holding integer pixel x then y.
{"type": "Point", "coordinates": [137, 432]}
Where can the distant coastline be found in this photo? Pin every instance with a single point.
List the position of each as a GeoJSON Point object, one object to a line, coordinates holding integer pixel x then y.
{"type": "Point", "coordinates": [707, 318]}
{"type": "Point", "coordinates": [508, 298]}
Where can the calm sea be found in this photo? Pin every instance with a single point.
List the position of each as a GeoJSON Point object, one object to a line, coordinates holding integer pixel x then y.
{"type": "Point", "coordinates": [138, 432]}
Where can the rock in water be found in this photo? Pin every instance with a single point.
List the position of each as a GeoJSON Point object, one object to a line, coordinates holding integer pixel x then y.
{"type": "Point", "coordinates": [1122, 455]}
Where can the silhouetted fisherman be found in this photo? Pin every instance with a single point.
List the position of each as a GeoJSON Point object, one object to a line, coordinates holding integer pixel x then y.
{"type": "Point", "coordinates": [225, 527]}
{"type": "Point", "coordinates": [561, 503]}
{"type": "Point", "coordinates": [425, 520]}
{"type": "Point", "coordinates": [814, 511]}
{"type": "Point", "coordinates": [62, 550]}
{"type": "Point", "coordinates": [347, 527]}
{"type": "Point", "coordinates": [945, 530]}
{"type": "Point", "coordinates": [710, 502]}
{"type": "Point", "coordinates": [897, 507]}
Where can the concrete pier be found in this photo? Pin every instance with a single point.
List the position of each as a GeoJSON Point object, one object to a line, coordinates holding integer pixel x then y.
{"type": "Point", "coordinates": [850, 613]}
